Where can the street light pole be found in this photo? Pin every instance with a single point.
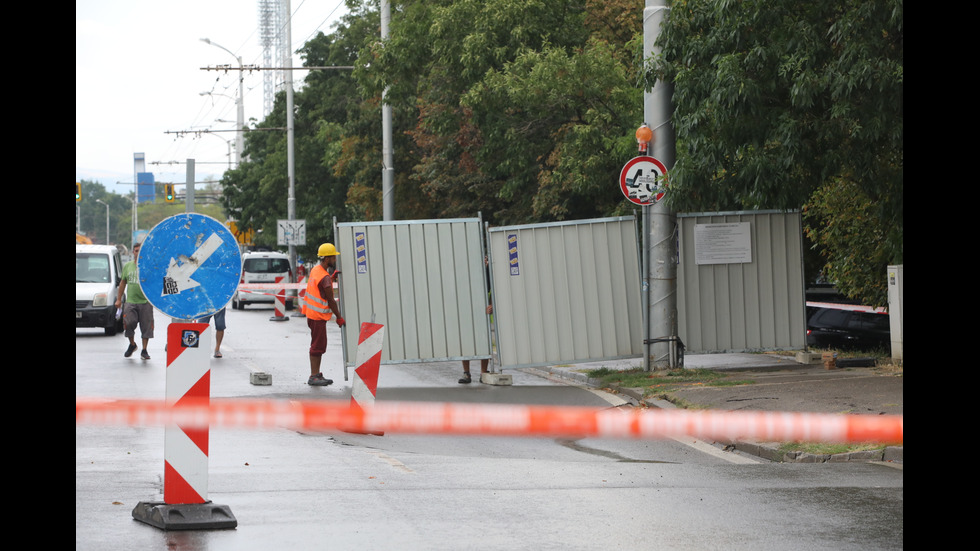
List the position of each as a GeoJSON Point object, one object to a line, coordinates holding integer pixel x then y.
{"type": "Point", "coordinates": [387, 146]}
{"type": "Point", "coordinates": [290, 134]}
{"type": "Point", "coordinates": [661, 246]}
{"type": "Point", "coordinates": [239, 103]}
{"type": "Point", "coordinates": [106, 220]}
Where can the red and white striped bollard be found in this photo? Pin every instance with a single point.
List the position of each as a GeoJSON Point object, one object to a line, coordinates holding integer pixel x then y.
{"type": "Point", "coordinates": [364, 386]}
{"type": "Point", "coordinates": [279, 304]}
{"type": "Point", "coordinates": [185, 471]}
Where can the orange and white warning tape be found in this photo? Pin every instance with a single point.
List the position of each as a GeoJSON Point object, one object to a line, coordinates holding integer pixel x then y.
{"type": "Point", "coordinates": [257, 288]}
{"type": "Point", "coordinates": [497, 420]}
{"type": "Point", "coordinates": [276, 286]}
{"type": "Point", "coordinates": [272, 286]}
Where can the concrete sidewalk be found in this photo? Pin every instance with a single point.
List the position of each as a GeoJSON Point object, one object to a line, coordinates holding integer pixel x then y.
{"type": "Point", "coordinates": [771, 382]}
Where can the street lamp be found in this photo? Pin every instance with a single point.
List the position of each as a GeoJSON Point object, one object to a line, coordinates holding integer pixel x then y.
{"type": "Point", "coordinates": [240, 103]}
{"type": "Point", "coordinates": [106, 220]}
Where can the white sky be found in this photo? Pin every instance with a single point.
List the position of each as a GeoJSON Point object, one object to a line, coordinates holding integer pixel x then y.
{"type": "Point", "coordinates": [138, 76]}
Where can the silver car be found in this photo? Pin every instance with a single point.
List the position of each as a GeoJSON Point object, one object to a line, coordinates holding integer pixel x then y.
{"type": "Point", "coordinates": [264, 267]}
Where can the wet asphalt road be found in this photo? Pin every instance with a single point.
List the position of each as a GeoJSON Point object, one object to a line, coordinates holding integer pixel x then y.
{"type": "Point", "coordinates": [301, 490]}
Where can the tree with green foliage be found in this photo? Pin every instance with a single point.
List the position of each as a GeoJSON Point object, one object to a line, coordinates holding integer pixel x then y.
{"type": "Point", "coordinates": [844, 222]}
{"type": "Point", "coordinates": [780, 105]}
{"type": "Point", "coordinates": [256, 192]}
{"type": "Point", "coordinates": [523, 110]}
{"type": "Point", "coordinates": [91, 215]}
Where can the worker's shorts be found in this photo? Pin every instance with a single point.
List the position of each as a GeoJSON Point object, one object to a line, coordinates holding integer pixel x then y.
{"type": "Point", "coordinates": [318, 336]}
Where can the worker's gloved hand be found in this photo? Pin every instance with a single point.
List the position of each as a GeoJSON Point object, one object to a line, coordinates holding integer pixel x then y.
{"type": "Point", "coordinates": [340, 321]}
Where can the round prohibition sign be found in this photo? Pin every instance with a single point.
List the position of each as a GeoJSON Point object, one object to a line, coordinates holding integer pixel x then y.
{"type": "Point", "coordinates": [643, 180]}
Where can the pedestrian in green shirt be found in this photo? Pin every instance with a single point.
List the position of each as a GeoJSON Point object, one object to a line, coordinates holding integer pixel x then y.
{"type": "Point", "coordinates": [136, 310]}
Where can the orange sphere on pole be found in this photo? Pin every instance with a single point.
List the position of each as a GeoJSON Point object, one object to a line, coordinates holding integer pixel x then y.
{"type": "Point", "coordinates": [644, 135]}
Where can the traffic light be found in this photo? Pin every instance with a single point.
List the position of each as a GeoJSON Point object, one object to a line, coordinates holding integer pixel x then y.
{"type": "Point", "coordinates": [168, 193]}
{"type": "Point", "coordinates": [78, 192]}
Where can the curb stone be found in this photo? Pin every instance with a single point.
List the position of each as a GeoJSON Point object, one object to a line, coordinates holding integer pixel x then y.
{"type": "Point", "coordinates": [770, 450]}
{"type": "Point", "coordinates": [891, 455]}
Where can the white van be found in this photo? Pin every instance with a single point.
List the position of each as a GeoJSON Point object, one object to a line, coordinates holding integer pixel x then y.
{"type": "Point", "coordinates": [264, 267]}
{"type": "Point", "coordinates": [98, 272]}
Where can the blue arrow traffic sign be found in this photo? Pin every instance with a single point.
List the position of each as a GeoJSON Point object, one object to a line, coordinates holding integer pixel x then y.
{"type": "Point", "coordinates": [189, 266]}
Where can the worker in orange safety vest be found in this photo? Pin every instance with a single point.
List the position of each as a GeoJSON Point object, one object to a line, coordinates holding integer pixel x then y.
{"type": "Point", "coordinates": [319, 306]}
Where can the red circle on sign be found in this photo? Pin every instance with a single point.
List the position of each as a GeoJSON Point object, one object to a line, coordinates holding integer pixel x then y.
{"type": "Point", "coordinates": [641, 180]}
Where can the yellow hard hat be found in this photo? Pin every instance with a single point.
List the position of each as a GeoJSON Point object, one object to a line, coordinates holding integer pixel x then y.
{"type": "Point", "coordinates": [327, 249]}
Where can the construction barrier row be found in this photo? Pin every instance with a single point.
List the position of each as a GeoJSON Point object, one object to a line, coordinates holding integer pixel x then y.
{"type": "Point", "coordinates": [275, 288]}
{"type": "Point", "coordinates": [496, 420]}
{"type": "Point", "coordinates": [271, 286]}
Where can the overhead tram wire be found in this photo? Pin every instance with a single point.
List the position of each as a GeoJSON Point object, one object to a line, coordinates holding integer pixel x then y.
{"type": "Point", "coordinates": [202, 119]}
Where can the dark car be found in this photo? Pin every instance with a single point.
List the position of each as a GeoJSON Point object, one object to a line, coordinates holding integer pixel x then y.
{"type": "Point", "coordinates": [847, 327]}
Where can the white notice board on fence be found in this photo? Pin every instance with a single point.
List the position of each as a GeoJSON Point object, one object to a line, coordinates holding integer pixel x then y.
{"type": "Point", "coordinates": [723, 243]}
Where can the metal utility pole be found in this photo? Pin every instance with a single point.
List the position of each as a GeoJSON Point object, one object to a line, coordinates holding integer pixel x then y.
{"type": "Point", "coordinates": [139, 165]}
{"type": "Point", "coordinates": [290, 129]}
{"type": "Point", "coordinates": [387, 149]}
{"type": "Point", "coordinates": [189, 186]}
{"type": "Point", "coordinates": [661, 241]}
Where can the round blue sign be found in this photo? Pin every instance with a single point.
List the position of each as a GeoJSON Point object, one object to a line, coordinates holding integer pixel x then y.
{"type": "Point", "coordinates": [189, 266]}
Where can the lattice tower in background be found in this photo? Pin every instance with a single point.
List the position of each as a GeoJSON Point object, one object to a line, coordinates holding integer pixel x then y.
{"type": "Point", "coordinates": [271, 36]}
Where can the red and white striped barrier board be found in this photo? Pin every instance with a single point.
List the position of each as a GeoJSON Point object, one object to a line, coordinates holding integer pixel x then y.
{"type": "Point", "coordinates": [279, 303]}
{"type": "Point", "coordinates": [185, 476]}
{"type": "Point", "coordinates": [499, 420]}
{"type": "Point", "coordinates": [278, 291]}
{"type": "Point", "coordinates": [364, 387]}
{"type": "Point", "coordinates": [300, 297]}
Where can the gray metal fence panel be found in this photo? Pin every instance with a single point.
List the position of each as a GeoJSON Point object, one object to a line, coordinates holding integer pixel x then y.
{"type": "Point", "coordinates": [566, 292]}
{"type": "Point", "coordinates": [740, 281]}
{"type": "Point", "coordinates": [424, 280]}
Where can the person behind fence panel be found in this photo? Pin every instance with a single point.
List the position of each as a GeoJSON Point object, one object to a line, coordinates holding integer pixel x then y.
{"type": "Point", "coordinates": [319, 305]}
{"type": "Point", "coordinates": [484, 363]}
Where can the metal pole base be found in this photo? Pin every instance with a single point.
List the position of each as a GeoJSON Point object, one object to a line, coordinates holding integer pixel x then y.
{"type": "Point", "coordinates": [189, 516]}
{"type": "Point", "coordinates": [675, 353]}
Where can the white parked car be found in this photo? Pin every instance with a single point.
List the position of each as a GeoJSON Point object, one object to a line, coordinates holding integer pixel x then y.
{"type": "Point", "coordinates": [264, 267]}
{"type": "Point", "coordinates": [98, 272]}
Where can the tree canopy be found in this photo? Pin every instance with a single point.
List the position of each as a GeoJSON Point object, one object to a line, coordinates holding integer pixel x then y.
{"type": "Point", "coordinates": [525, 111]}
{"type": "Point", "coordinates": [788, 105]}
